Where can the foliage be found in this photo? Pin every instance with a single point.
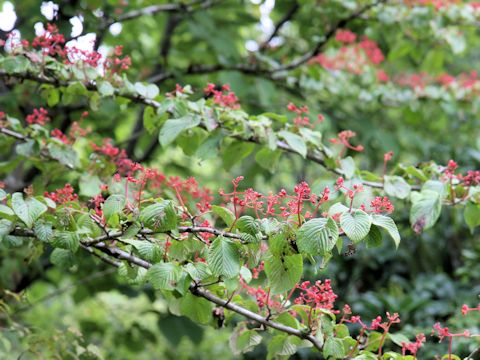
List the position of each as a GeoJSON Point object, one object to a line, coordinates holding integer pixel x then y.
{"type": "Point", "coordinates": [122, 236]}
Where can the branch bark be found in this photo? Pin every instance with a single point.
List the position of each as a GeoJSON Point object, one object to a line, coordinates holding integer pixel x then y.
{"type": "Point", "coordinates": [196, 290]}
{"type": "Point", "coordinates": [165, 8]}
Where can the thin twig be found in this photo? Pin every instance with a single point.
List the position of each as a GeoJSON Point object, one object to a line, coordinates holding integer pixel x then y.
{"type": "Point", "coordinates": [287, 17]}
{"type": "Point", "coordinates": [161, 8]}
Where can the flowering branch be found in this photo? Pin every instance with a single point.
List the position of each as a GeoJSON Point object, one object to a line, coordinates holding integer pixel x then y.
{"type": "Point", "coordinates": [197, 290]}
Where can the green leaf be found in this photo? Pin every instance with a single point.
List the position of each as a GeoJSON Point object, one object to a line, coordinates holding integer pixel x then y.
{"type": "Point", "coordinates": [398, 338]}
{"type": "Point", "coordinates": [174, 127]}
{"type": "Point", "coordinates": [64, 154]}
{"type": "Point", "coordinates": [152, 91]}
{"type": "Point", "coordinates": [356, 224]}
{"type": "Point", "coordinates": [374, 237]}
{"type": "Point", "coordinates": [341, 331]}
{"type": "Point", "coordinates": [105, 88]}
{"type": "Point", "coordinates": [223, 258]}
{"type": "Point", "coordinates": [27, 148]}
{"type": "Point", "coordinates": [282, 345]}
{"type": "Point", "coordinates": [333, 348]}
{"type": "Point", "coordinates": [147, 250]}
{"type": "Point", "coordinates": [210, 147]}
{"type": "Point", "coordinates": [113, 205]}
{"type": "Point", "coordinates": [134, 275]}
{"type": "Point", "coordinates": [348, 167]}
{"type": "Point", "coordinates": [451, 357]}
{"type": "Point", "coordinates": [425, 210]}
{"type": "Point", "coordinates": [198, 271]}
{"type": "Point", "coordinates": [248, 224]}
{"type": "Point", "coordinates": [283, 273]}
{"type": "Point", "coordinates": [317, 236]}
{"type": "Point", "coordinates": [413, 171]}
{"type": "Point", "coordinates": [396, 186]}
{"type": "Point", "coordinates": [149, 91]}
{"type": "Point", "coordinates": [5, 211]}
{"type": "Point", "coordinates": [15, 64]}
{"type": "Point", "coordinates": [160, 216]}
{"type": "Point", "coordinates": [471, 215]}
{"type": "Point", "coordinates": [89, 185]}
{"type": "Point", "coordinates": [245, 341]}
{"type": "Point", "coordinates": [151, 121]}
{"type": "Point", "coordinates": [27, 210]}
{"type": "Point", "coordinates": [337, 208]}
{"type": "Point", "coordinates": [268, 159]}
{"type": "Point", "coordinates": [164, 276]}
{"type": "Point", "coordinates": [225, 214]}
{"type": "Point", "coordinates": [51, 95]}
{"type": "Point", "coordinates": [295, 141]}
{"type": "Point", "coordinates": [235, 152]}
{"type": "Point", "coordinates": [6, 227]}
{"type": "Point", "coordinates": [43, 231]}
{"type": "Point", "coordinates": [388, 224]}
{"type": "Point", "coordinates": [196, 308]}
{"type": "Point", "coordinates": [66, 240]}
{"type": "Point", "coordinates": [62, 258]}
{"type": "Point", "coordinates": [277, 244]}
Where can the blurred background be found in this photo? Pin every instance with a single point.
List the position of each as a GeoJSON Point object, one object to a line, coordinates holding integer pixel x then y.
{"type": "Point", "coordinates": [403, 76]}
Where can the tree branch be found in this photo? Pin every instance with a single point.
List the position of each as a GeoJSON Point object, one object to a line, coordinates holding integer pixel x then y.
{"type": "Point", "coordinates": [287, 17]}
{"type": "Point", "coordinates": [168, 8]}
{"type": "Point", "coordinates": [115, 235]}
{"type": "Point", "coordinates": [196, 290]}
{"type": "Point", "coordinates": [13, 134]}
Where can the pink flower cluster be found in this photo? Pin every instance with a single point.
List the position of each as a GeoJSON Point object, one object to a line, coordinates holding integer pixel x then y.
{"type": "Point", "coordinates": [354, 56]}
{"type": "Point", "coordinates": [262, 296]}
{"type": "Point", "coordinates": [319, 295]}
{"type": "Point", "coordinates": [279, 204]}
{"type": "Point", "coordinates": [301, 118]}
{"type": "Point", "coordinates": [52, 43]}
{"type": "Point", "coordinates": [472, 178]}
{"type": "Point", "coordinates": [39, 116]}
{"type": "Point", "coordinates": [382, 205]}
{"type": "Point", "coordinates": [344, 137]}
{"type": "Point", "coordinates": [63, 195]}
{"type": "Point", "coordinates": [223, 97]}
{"type": "Point", "coordinates": [413, 347]}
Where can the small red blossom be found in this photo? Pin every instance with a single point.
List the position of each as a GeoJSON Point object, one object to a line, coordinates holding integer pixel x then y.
{"type": "Point", "coordinates": [382, 205]}
{"type": "Point", "coordinates": [382, 76]}
{"type": "Point", "coordinates": [319, 295]}
{"type": "Point", "coordinates": [50, 42]}
{"type": "Point", "coordinates": [58, 134]}
{"type": "Point", "coordinates": [223, 97]}
{"type": "Point", "coordinates": [472, 178]}
{"type": "Point", "coordinates": [466, 309]}
{"type": "Point", "coordinates": [256, 271]}
{"type": "Point", "coordinates": [345, 36]}
{"type": "Point", "coordinates": [63, 195]}
{"type": "Point", "coordinates": [344, 139]}
{"type": "Point", "coordinates": [39, 116]}
{"type": "Point", "coordinates": [388, 156]}
{"type": "Point", "coordinates": [413, 347]}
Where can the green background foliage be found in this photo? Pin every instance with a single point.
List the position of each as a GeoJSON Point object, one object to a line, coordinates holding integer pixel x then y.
{"type": "Point", "coordinates": [56, 302]}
